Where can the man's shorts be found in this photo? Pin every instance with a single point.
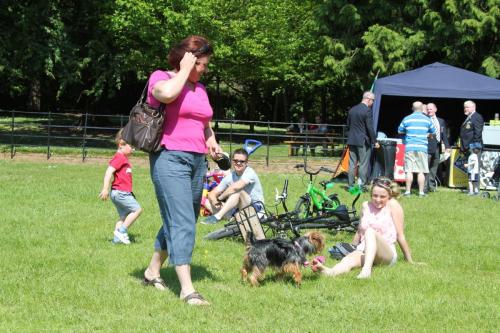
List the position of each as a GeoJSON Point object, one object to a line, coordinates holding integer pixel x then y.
{"type": "Point", "coordinates": [416, 161]}
{"type": "Point", "coordinates": [124, 202]}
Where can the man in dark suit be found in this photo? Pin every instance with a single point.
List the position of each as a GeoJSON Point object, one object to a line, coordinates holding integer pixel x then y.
{"type": "Point", "coordinates": [360, 138]}
{"type": "Point", "coordinates": [471, 130]}
{"type": "Point", "coordinates": [437, 144]}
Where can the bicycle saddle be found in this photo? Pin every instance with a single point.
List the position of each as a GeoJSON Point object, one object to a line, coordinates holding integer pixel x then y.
{"type": "Point", "coordinates": [342, 213]}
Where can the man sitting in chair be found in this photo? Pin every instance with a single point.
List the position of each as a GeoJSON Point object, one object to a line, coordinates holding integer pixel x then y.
{"type": "Point", "coordinates": [237, 190]}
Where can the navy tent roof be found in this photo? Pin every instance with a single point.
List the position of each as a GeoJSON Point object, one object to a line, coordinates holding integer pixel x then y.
{"type": "Point", "coordinates": [436, 80]}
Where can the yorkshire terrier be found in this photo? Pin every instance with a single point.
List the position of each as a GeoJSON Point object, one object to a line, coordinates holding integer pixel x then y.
{"type": "Point", "coordinates": [285, 256]}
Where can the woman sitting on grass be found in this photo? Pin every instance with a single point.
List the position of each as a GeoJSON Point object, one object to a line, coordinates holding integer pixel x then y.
{"type": "Point", "coordinates": [381, 226]}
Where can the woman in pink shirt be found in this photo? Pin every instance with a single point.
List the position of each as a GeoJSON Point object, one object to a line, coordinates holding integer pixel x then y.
{"type": "Point", "coordinates": [382, 224]}
{"type": "Point", "coordinates": [178, 169]}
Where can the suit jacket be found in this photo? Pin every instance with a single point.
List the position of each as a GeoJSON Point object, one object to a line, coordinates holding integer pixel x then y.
{"type": "Point", "coordinates": [360, 126]}
{"type": "Point", "coordinates": [433, 145]}
{"type": "Point", "coordinates": [471, 131]}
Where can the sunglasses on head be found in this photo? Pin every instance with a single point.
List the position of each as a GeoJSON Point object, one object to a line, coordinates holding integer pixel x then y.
{"type": "Point", "coordinates": [382, 181]}
{"type": "Point", "coordinates": [203, 49]}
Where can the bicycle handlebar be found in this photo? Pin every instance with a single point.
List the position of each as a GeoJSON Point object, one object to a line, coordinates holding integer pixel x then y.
{"type": "Point", "coordinates": [313, 173]}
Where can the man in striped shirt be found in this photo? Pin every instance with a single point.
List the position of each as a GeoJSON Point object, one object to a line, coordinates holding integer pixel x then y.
{"type": "Point", "coordinates": [416, 128]}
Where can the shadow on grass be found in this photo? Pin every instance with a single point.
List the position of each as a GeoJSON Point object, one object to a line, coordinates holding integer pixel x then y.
{"type": "Point", "coordinates": [168, 274]}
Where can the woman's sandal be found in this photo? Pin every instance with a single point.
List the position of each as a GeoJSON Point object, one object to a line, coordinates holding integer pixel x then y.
{"type": "Point", "coordinates": [195, 298]}
{"type": "Point", "coordinates": [157, 282]}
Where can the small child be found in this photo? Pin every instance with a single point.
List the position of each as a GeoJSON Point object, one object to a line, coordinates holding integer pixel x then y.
{"type": "Point", "coordinates": [120, 172]}
{"type": "Point", "coordinates": [473, 169]}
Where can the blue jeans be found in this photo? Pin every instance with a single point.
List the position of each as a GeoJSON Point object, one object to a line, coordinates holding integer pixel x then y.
{"type": "Point", "coordinates": [178, 180]}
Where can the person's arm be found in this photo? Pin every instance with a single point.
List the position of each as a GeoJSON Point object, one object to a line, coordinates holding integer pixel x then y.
{"type": "Point", "coordinates": [401, 128]}
{"type": "Point", "coordinates": [233, 188]}
{"type": "Point", "coordinates": [213, 147]}
{"type": "Point", "coordinates": [166, 91]}
{"type": "Point", "coordinates": [444, 135]}
{"type": "Point", "coordinates": [213, 196]}
{"type": "Point", "coordinates": [398, 219]}
{"type": "Point", "coordinates": [369, 128]}
{"type": "Point", "coordinates": [478, 125]}
{"type": "Point", "coordinates": [108, 177]}
{"type": "Point", "coordinates": [357, 236]}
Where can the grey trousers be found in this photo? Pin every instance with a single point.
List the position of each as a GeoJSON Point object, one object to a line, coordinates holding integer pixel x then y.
{"type": "Point", "coordinates": [430, 178]}
{"type": "Point", "coordinates": [358, 155]}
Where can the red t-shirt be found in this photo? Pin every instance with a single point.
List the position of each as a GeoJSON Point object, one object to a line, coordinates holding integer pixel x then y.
{"type": "Point", "coordinates": [123, 173]}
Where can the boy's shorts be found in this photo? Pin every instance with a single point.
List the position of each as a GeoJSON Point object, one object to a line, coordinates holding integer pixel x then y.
{"type": "Point", "coordinates": [473, 177]}
{"type": "Point", "coordinates": [124, 202]}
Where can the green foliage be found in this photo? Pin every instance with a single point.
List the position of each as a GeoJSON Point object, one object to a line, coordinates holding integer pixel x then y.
{"type": "Point", "coordinates": [270, 56]}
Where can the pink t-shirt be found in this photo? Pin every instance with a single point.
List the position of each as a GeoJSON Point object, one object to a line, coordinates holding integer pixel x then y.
{"type": "Point", "coordinates": [380, 220]}
{"type": "Point", "coordinates": [123, 173]}
{"type": "Point", "coordinates": [185, 118]}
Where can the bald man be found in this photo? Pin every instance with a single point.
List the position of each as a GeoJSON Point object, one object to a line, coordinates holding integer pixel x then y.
{"type": "Point", "coordinates": [416, 128]}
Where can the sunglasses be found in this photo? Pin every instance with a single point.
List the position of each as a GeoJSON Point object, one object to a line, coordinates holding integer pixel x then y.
{"type": "Point", "coordinates": [382, 181]}
{"type": "Point", "coordinates": [239, 161]}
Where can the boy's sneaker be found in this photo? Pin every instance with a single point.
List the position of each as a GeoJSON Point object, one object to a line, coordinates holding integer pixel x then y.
{"type": "Point", "coordinates": [210, 220]}
{"type": "Point", "coordinates": [122, 237]}
{"type": "Point", "coordinates": [407, 194]}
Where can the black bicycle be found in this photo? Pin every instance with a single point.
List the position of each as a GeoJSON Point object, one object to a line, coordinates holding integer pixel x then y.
{"type": "Point", "coordinates": [282, 224]}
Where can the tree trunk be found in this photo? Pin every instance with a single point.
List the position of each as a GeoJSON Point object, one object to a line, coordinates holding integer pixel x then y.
{"type": "Point", "coordinates": [286, 116]}
{"type": "Point", "coordinates": [35, 96]}
{"type": "Point", "coordinates": [275, 108]}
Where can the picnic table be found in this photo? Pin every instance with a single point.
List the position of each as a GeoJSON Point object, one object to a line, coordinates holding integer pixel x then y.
{"type": "Point", "coordinates": [310, 140]}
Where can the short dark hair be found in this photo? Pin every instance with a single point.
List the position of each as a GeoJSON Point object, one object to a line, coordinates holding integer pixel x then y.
{"type": "Point", "coordinates": [241, 151]}
{"type": "Point", "coordinates": [198, 45]}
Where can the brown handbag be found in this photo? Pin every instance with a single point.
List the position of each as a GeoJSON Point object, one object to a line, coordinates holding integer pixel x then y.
{"type": "Point", "coordinates": [144, 128]}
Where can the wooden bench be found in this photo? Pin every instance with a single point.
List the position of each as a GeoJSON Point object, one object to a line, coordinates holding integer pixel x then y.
{"type": "Point", "coordinates": [310, 141]}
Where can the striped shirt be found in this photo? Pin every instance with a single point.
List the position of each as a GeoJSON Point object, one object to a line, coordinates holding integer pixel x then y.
{"type": "Point", "coordinates": [416, 128]}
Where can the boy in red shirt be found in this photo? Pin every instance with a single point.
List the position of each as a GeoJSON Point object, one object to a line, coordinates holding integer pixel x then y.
{"type": "Point", "coordinates": [120, 172]}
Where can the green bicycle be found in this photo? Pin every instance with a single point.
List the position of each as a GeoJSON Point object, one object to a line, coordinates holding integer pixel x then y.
{"type": "Point", "coordinates": [316, 201]}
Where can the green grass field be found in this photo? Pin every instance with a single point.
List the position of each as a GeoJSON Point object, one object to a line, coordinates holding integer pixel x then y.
{"type": "Point", "coordinates": [60, 272]}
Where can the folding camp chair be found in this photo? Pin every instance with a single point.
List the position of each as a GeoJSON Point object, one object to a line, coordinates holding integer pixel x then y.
{"type": "Point", "coordinates": [248, 219]}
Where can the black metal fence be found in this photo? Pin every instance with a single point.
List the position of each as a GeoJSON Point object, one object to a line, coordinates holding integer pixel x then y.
{"type": "Point", "coordinates": [82, 132]}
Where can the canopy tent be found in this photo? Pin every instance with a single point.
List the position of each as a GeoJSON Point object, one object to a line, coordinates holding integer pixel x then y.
{"type": "Point", "coordinates": [435, 80]}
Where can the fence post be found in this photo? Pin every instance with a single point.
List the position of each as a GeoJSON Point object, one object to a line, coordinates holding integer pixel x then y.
{"type": "Point", "coordinates": [12, 148]}
{"type": "Point", "coordinates": [84, 151]}
{"type": "Point", "coordinates": [48, 135]}
{"type": "Point", "coordinates": [268, 143]}
{"type": "Point", "coordinates": [231, 137]}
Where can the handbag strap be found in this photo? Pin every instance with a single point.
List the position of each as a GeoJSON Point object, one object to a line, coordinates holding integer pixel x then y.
{"type": "Point", "coordinates": [143, 97]}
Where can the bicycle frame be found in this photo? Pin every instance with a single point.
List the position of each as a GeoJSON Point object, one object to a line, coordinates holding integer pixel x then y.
{"type": "Point", "coordinates": [319, 197]}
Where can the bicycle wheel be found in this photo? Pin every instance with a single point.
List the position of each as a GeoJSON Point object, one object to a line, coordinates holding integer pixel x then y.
{"type": "Point", "coordinates": [302, 207]}
{"type": "Point", "coordinates": [229, 231]}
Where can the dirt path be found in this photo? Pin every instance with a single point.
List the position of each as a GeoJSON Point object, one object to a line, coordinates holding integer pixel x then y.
{"type": "Point", "coordinates": [259, 165]}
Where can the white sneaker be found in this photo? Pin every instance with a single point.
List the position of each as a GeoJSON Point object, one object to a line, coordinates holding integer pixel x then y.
{"type": "Point", "coordinates": [123, 237]}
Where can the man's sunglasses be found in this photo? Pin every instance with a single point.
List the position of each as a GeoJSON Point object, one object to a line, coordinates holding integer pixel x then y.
{"type": "Point", "coordinates": [239, 161]}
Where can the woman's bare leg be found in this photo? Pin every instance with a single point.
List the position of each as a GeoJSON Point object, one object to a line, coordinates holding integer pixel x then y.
{"type": "Point", "coordinates": [377, 251]}
{"type": "Point", "coordinates": [157, 260]}
{"type": "Point", "coordinates": [347, 263]}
